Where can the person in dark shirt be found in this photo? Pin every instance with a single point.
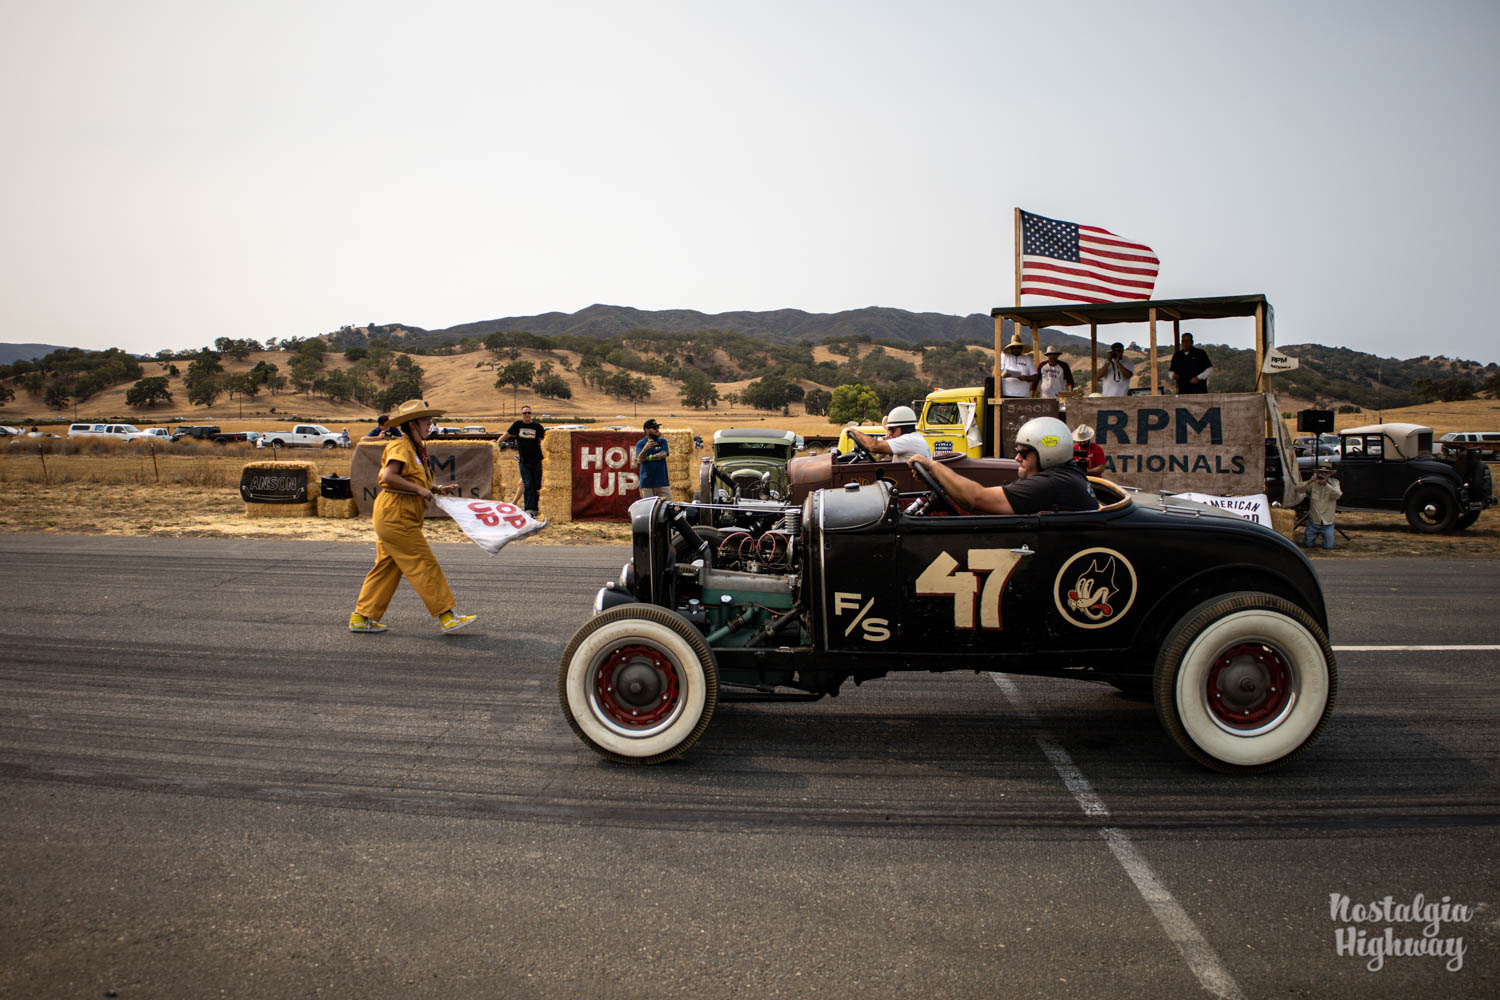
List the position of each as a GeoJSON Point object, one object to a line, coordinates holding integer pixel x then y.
{"type": "Point", "coordinates": [1048, 479]}
{"type": "Point", "coordinates": [1190, 367]}
{"type": "Point", "coordinates": [379, 430]}
{"type": "Point", "coordinates": [528, 435]}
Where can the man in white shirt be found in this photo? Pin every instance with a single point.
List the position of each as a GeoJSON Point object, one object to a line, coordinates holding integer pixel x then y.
{"type": "Point", "coordinates": [901, 437]}
{"type": "Point", "coordinates": [1055, 373]}
{"type": "Point", "coordinates": [1115, 379]}
{"type": "Point", "coordinates": [1018, 372]}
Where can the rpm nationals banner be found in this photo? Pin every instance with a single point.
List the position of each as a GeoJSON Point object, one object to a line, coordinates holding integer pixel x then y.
{"type": "Point", "coordinates": [473, 469]}
{"type": "Point", "coordinates": [492, 524]}
{"type": "Point", "coordinates": [1214, 443]}
{"type": "Point", "coordinates": [606, 475]}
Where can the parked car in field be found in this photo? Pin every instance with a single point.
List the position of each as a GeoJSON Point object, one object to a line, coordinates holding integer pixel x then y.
{"type": "Point", "coordinates": [202, 432]}
{"type": "Point", "coordinates": [234, 437]}
{"type": "Point", "coordinates": [303, 436]}
{"type": "Point", "coordinates": [158, 434]}
{"type": "Point", "coordinates": [119, 432]}
{"type": "Point", "coordinates": [1485, 444]}
{"type": "Point", "coordinates": [1391, 467]}
{"type": "Point", "coordinates": [1224, 620]}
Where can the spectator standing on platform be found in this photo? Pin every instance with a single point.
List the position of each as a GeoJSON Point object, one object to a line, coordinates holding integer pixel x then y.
{"type": "Point", "coordinates": [1018, 372]}
{"type": "Point", "coordinates": [1190, 367]}
{"type": "Point", "coordinates": [1056, 374]}
{"type": "Point", "coordinates": [1086, 451]}
{"type": "Point", "coordinates": [651, 452]}
{"type": "Point", "coordinates": [1115, 379]}
{"type": "Point", "coordinates": [528, 434]}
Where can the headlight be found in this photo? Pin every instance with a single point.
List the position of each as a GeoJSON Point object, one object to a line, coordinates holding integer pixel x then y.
{"type": "Point", "coordinates": [626, 580]}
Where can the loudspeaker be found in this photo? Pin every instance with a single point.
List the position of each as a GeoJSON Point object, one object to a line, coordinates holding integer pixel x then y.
{"type": "Point", "coordinates": [1315, 421]}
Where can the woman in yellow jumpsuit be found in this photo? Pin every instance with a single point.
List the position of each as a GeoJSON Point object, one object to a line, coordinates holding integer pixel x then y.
{"type": "Point", "coordinates": [401, 548]}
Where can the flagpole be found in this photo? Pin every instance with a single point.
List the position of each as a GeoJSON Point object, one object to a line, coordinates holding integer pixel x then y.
{"type": "Point", "coordinates": [1018, 257]}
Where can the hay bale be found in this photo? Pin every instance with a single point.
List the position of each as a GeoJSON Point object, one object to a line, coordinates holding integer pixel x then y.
{"type": "Point", "coordinates": [308, 509]}
{"type": "Point", "coordinates": [344, 508]}
{"type": "Point", "coordinates": [1284, 521]}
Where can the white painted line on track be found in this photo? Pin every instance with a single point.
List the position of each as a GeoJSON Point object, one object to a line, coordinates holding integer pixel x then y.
{"type": "Point", "coordinates": [1417, 649]}
{"type": "Point", "coordinates": [1179, 927]}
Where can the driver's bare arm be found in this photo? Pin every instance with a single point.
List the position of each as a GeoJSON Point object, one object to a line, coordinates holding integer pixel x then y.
{"type": "Point", "coordinates": [875, 446]}
{"type": "Point", "coordinates": [980, 499]}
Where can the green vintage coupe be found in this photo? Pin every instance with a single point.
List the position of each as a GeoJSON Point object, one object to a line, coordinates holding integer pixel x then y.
{"type": "Point", "coordinates": [747, 463]}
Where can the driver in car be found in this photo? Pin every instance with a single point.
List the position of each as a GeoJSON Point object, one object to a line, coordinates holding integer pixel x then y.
{"type": "Point", "coordinates": [901, 437]}
{"type": "Point", "coordinates": [1048, 479]}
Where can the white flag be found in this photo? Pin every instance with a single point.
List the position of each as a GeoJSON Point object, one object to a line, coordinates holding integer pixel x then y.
{"type": "Point", "coordinates": [492, 524]}
{"type": "Point", "coordinates": [1278, 362]}
{"type": "Point", "coordinates": [1252, 508]}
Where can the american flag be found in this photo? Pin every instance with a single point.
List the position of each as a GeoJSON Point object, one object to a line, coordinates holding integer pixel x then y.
{"type": "Point", "coordinates": [1065, 260]}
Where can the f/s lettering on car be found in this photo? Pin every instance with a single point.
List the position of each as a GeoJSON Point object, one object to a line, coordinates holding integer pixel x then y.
{"type": "Point", "coordinates": [873, 629]}
{"type": "Point", "coordinates": [941, 577]}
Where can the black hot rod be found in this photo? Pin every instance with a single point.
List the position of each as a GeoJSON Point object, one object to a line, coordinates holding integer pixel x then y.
{"type": "Point", "coordinates": [1222, 619]}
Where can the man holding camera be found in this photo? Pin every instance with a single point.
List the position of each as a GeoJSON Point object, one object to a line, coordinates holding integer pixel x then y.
{"type": "Point", "coordinates": [1323, 492]}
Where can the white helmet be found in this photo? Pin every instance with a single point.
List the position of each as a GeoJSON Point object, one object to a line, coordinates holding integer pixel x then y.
{"type": "Point", "coordinates": [1050, 438]}
{"type": "Point", "coordinates": [901, 416]}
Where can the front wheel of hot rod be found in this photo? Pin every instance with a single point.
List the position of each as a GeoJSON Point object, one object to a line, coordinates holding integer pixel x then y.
{"type": "Point", "coordinates": [638, 684]}
{"type": "Point", "coordinates": [1245, 683]}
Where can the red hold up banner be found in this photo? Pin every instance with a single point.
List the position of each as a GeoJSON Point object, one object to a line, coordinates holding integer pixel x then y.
{"type": "Point", "coordinates": [606, 476]}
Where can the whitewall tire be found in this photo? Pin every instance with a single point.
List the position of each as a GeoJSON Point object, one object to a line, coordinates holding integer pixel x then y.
{"type": "Point", "coordinates": [1245, 682]}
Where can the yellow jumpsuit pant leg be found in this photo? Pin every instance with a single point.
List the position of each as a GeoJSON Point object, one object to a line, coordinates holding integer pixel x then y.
{"type": "Point", "coordinates": [402, 550]}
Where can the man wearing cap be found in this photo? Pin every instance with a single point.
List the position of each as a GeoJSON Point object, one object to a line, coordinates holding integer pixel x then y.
{"type": "Point", "coordinates": [1115, 379]}
{"type": "Point", "coordinates": [1055, 373]}
{"type": "Point", "coordinates": [901, 437]}
{"type": "Point", "coordinates": [1018, 372]}
{"type": "Point", "coordinates": [651, 453]}
{"type": "Point", "coordinates": [528, 434]}
{"type": "Point", "coordinates": [378, 431]}
{"type": "Point", "coordinates": [401, 548]}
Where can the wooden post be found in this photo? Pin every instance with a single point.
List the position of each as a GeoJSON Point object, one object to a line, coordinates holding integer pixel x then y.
{"type": "Point", "coordinates": [1176, 335]}
{"type": "Point", "coordinates": [999, 348]}
{"type": "Point", "coordinates": [1036, 358]}
{"type": "Point", "coordinates": [1262, 382]}
{"type": "Point", "coordinates": [154, 467]}
{"type": "Point", "coordinates": [1155, 373]}
{"type": "Point", "coordinates": [1093, 357]}
{"type": "Point", "coordinates": [40, 453]}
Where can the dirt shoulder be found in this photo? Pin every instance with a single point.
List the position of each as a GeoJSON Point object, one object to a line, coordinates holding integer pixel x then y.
{"type": "Point", "coordinates": [180, 511]}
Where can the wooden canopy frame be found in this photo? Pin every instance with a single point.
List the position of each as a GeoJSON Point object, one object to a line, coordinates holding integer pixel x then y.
{"type": "Point", "coordinates": [1093, 315]}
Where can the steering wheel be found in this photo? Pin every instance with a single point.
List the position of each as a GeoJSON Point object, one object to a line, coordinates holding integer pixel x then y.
{"type": "Point", "coordinates": [944, 501]}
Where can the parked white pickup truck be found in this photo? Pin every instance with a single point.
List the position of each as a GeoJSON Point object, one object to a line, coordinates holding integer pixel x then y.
{"type": "Point", "coordinates": [303, 436]}
{"type": "Point", "coordinates": [159, 434]}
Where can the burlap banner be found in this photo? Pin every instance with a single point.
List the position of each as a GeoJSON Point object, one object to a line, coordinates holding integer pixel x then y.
{"type": "Point", "coordinates": [470, 464]}
{"type": "Point", "coordinates": [606, 476]}
{"type": "Point", "coordinates": [1214, 443]}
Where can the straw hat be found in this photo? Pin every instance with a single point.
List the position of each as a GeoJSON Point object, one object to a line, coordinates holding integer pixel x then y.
{"type": "Point", "coordinates": [1083, 433]}
{"type": "Point", "coordinates": [1016, 341]}
{"type": "Point", "coordinates": [413, 409]}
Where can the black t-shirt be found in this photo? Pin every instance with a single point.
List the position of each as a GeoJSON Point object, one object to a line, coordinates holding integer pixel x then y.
{"type": "Point", "coordinates": [1190, 363]}
{"type": "Point", "coordinates": [1062, 487]}
{"type": "Point", "coordinates": [528, 439]}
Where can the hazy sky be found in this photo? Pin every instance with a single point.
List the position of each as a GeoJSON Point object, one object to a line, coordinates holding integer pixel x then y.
{"type": "Point", "coordinates": [178, 171]}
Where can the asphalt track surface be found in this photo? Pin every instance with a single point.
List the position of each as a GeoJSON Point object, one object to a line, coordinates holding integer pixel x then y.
{"type": "Point", "coordinates": [211, 788]}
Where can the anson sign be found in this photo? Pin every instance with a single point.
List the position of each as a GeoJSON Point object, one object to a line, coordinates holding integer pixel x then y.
{"type": "Point", "coordinates": [1212, 443]}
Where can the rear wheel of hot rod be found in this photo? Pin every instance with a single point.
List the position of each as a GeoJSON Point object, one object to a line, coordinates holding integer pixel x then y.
{"type": "Point", "coordinates": [1245, 682]}
{"type": "Point", "coordinates": [638, 684]}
